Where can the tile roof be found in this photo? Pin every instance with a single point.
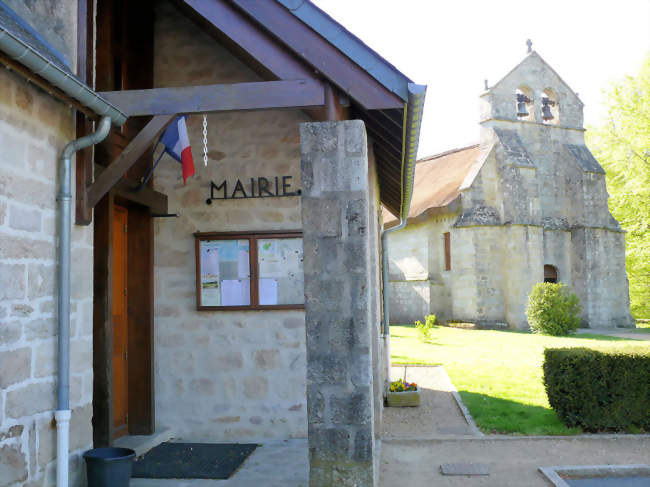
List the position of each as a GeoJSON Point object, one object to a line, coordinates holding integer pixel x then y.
{"type": "Point", "coordinates": [438, 179]}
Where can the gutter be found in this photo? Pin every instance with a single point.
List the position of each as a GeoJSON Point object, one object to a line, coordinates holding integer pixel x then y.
{"type": "Point", "coordinates": [62, 414]}
{"type": "Point", "coordinates": [58, 77]}
{"type": "Point", "coordinates": [411, 137]}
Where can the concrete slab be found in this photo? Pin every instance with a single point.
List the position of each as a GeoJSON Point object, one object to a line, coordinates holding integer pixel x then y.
{"type": "Point", "coordinates": [279, 463]}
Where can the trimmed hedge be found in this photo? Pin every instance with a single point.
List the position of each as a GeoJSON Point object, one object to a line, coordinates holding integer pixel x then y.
{"type": "Point", "coordinates": [598, 391]}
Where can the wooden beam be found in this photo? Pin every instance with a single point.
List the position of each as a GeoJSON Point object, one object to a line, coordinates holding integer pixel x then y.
{"type": "Point", "coordinates": [317, 52]}
{"type": "Point", "coordinates": [142, 195]}
{"type": "Point", "coordinates": [129, 156]}
{"type": "Point", "coordinates": [85, 69]}
{"type": "Point", "coordinates": [219, 98]}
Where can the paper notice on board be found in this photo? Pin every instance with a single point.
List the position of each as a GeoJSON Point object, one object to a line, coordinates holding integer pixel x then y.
{"type": "Point", "coordinates": [268, 250]}
{"type": "Point", "coordinates": [243, 265]}
{"type": "Point", "coordinates": [210, 261]}
{"type": "Point", "coordinates": [210, 296]}
{"type": "Point", "coordinates": [235, 292]}
{"type": "Point", "coordinates": [268, 291]}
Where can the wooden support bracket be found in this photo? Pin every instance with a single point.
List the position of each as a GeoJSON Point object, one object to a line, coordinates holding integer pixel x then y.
{"type": "Point", "coordinates": [127, 158]}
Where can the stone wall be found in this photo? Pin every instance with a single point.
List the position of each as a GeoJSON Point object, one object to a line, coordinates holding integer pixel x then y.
{"type": "Point", "coordinates": [34, 128]}
{"type": "Point", "coordinates": [223, 376]}
{"type": "Point", "coordinates": [340, 273]}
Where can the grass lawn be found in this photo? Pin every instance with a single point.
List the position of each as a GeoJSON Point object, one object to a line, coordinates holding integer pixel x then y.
{"type": "Point", "coordinates": [498, 373]}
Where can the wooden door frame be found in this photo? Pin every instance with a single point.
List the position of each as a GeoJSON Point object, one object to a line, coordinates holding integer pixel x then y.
{"type": "Point", "coordinates": [140, 303]}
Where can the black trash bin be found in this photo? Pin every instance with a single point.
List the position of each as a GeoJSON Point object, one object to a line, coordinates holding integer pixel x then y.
{"type": "Point", "coordinates": [109, 467]}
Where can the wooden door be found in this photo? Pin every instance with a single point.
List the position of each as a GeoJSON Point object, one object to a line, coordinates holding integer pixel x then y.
{"type": "Point", "coordinates": [120, 323]}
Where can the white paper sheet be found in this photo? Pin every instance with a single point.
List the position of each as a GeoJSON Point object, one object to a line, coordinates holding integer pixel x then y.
{"type": "Point", "coordinates": [211, 296]}
{"type": "Point", "coordinates": [268, 291]}
{"type": "Point", "coordinates": [243, 264]}
{"type": "Point", "coordinates": [210, 261]}
{"type": "Point", "coordinates": [235, 292]}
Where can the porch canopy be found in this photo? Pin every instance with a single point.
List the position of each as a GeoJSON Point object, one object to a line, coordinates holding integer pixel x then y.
{"type": "Point", "coordinates": [307, 59]}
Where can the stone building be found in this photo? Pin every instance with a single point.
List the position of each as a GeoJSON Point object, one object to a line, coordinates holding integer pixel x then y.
{"type": "Point", "coordinates": [242, 306]}
{"type": "Point", "coordinates": [525, 205]}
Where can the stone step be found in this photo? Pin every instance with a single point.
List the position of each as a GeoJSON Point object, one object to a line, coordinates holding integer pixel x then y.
{"type": "Point", "coordinates": [143, 443]}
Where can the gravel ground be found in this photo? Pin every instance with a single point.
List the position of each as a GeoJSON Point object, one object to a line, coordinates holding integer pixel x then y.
{"type": "Point", "coordinates": [438, 414]}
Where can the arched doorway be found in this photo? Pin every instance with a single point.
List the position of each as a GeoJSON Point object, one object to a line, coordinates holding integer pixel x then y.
{"type": "Point", "coordinates": [550, 273]}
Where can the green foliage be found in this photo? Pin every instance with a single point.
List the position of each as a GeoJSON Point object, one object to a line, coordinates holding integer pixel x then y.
{"type": "Point", "coordinates": [622, 146]}
{"type": "Point", "coordinates": [552, 309]}
{"type": "Point", "coordinates": [598, 391]}
{"type": "Point", "coordinates": [401, 385]}
{"type": "Point", "coordinates": [424, 329]}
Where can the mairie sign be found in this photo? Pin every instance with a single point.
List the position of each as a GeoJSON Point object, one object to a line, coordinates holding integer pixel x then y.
{"type": "Point", "coordinates": [260, 187]}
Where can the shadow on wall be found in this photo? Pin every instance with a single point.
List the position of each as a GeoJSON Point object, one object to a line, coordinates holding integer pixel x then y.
{"type": "Point", "coordinates": [406, 303]}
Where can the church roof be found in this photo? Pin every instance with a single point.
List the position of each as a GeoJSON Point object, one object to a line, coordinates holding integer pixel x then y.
{"type": "Point", "coordinates": [437, 180]}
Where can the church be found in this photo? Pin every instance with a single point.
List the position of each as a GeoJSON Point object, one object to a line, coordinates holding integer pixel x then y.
{"type": "Point", "coordinates": [527, 204]}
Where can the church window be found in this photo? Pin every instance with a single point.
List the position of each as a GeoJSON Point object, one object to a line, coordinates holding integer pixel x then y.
{"type": "Point", "coordinates": [447, 237]}
{"type": "Point", "coordinates": [524, 104]}
{"type": "Point", "coordinates": [550, 108]}
{"type": "Point", "coordinates": [550, 273]}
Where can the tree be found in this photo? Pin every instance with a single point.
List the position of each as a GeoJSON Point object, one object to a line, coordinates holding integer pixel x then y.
{"type": "Point", "coordinates": [622, 146]}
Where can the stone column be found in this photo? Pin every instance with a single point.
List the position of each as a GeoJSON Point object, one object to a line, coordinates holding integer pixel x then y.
{"type": "Point", "coordinates": [337, 303]}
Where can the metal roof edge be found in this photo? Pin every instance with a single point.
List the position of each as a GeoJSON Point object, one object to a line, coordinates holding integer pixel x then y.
{"type": "Point", "coordinates": [350, 45]}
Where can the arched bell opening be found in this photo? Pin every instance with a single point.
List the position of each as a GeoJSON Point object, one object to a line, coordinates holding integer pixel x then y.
{"type": "Point", "coordinates": [524, 104]}
{"type": "Point", "coordinates": [550, 109]}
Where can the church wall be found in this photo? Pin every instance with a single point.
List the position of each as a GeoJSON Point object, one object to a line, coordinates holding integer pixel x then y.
{"type": "Point", "coordinates": [524, 267]}
{"type": "Point", "coordinates": [223, 375]}
{"type": "Point", "coordinates": [600, 278]}
{"type": "Point", "coordinates": [557, 252]}
{"type": "Point", "coordinates": [419, 283]}
{"type": "Point", "coordinates": [409, 297]}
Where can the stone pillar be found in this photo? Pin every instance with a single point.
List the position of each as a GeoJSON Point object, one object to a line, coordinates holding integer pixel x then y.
{"type": "Point", "coordinates": [337, 268]}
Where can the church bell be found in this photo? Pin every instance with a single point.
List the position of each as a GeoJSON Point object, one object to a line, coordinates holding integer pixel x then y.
{"type": "Point", "coordinates": [521, 105]}
{"type": "Point", "coordinates": [546, 109]}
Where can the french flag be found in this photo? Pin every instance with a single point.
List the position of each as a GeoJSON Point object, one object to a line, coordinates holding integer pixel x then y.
{"type": "Point", "coordinates": [177, 145]}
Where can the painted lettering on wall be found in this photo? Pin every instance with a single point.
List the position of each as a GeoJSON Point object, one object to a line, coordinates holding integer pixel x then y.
{"type": "Point", "coordinates": [260, 187]}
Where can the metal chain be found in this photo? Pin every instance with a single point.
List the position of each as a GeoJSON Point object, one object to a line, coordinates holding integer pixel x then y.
{"type": "Point", "coordinates": [205, 139]}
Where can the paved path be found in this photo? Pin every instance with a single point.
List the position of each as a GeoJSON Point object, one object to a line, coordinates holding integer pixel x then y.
{"type": "Point", "coordinates": [512, 461]}
{"type": "Point", "coordinates": [416, 441]}
{"type": "Point", "coordinates": [630, 333]}
{"type": "Point", "coordinates": [438, 414]}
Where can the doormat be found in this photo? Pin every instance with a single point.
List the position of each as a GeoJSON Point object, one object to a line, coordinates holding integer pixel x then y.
{"type": "Point", "coordinates": [192, 460]}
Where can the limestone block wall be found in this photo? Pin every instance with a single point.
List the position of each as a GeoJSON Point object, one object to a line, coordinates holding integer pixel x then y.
{"type": "Point", "coordinates": [339, 277]}
{"type": "Point", "coordinates": [419, 283]}
{"type": "Point", "coordinates": [230, 376]}
{"type": "Point", "coordinates": [600, 279]}
{"type": "Point", "coordinates": [557, 252]}
{"type": "Point", "coordinates": [523, 254]}
{"type": "Point", "coordinates": [34, 128]}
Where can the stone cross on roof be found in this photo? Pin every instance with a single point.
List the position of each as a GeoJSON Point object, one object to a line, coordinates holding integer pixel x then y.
{"type": "Point", "coordinates": [529, 43]}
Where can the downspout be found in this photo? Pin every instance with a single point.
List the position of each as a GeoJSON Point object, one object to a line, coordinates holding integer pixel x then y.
{"type": "Point", "coordinates": [411, 138]}
{"type": "Point", "coordinates": [62, 414]}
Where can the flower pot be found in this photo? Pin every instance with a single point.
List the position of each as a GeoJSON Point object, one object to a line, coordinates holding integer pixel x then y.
{"type": "Point", "coordinates": [404, 399]}
{"type": "Point", "coordinates": [109, 467]}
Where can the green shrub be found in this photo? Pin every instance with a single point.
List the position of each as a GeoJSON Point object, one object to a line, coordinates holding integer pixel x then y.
{"type": "Point", "coordinates": [598, 391]}
{"type": "Point", "coordinates": [552, 309]}
{"type": "Point", "coordinates": [424, 329]}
